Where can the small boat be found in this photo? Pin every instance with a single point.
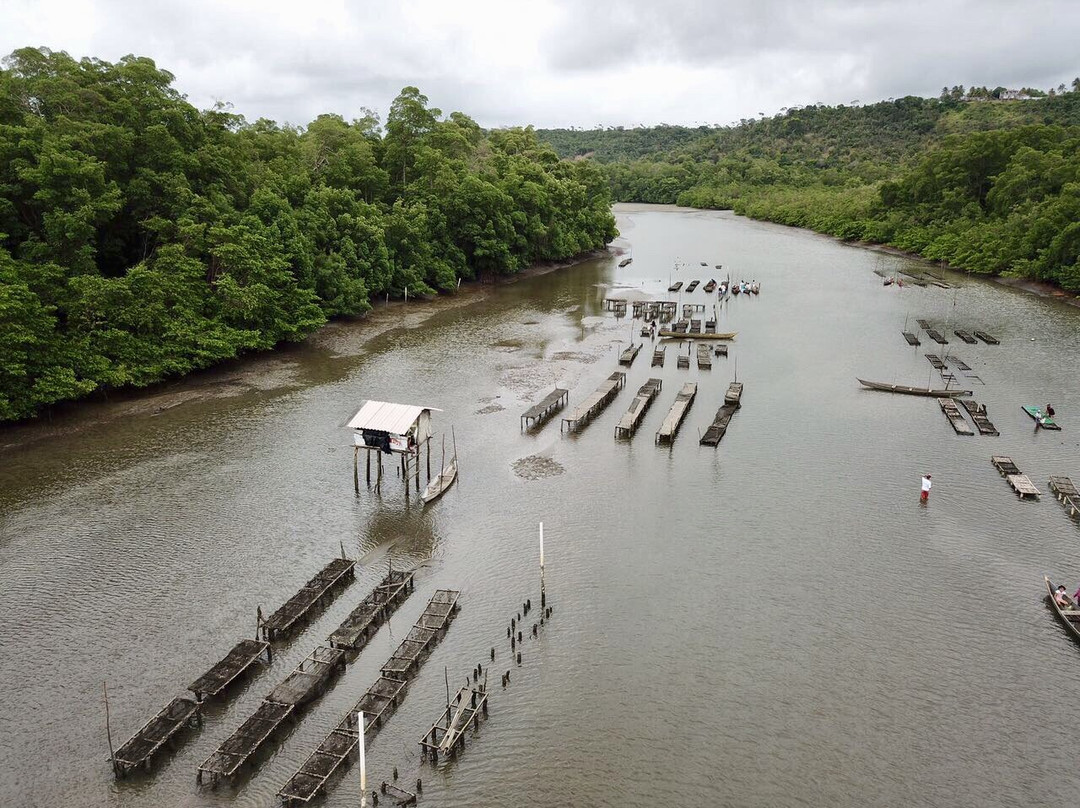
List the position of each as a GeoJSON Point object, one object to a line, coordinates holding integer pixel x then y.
{"type": "Point", "coordinates": [682, 334]}
{"type": "Point", "coordinates": [719, 266]}
{"type": "Point", "coordinates": [1067, 616]}
{"type": "Point", "coordinates": [1041, 418]}
{"type": "Point", "coordinates": [437, 487]}
{"type": "Point", "coordinates": [710, 287]}
{"type": "Point", "coordinates": [736, 289]}
{"type": "Point", "coordinates": [692, 286]}
{"type": "Point", "coordinates": [912, 391]}
{"type": "Point", "coordinates": [887, 282]}
{"type": "Point", "coordinates": [675, 286]}
{"type": "Point", "coordinates": [704, 264]}
{"type": "Point", "coordinates": [755, 287]}
{"type": "Point", "coordinates": [625, 262]}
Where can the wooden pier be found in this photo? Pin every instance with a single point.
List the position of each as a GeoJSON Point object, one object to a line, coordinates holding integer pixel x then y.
{"type": "Point", "coordinates": [538, 414]}
{"type": "Point", "coordinates": [224, 672]}
{"type": "Point", "coordinates": [306, 683]}
{"type": "Point", "coordinates": [956, 418]}
{"type": "Point", "coordinates": [978, 416]}
{"type": "Point", "coordinates": [734, 393]}
{"type": "Point", "coordinates": [1064, 489]}
{"type": "Point", "coordinates": [911, 338]}
{"type": "Point", "coordinates": [592, 406]}
{"type": "Point", "coordinates": [673, 420]}
{"type": "Point", "coordinates": [140, 748]}
{"type": "Point", "coordinates": [374, 610]}
{"type": "Point", "coordinates": [989, 340]}
{"type": "Point", "coordinates": [704, 357]}
{"type": "Point", "coordinates": [428, 630]}
{"type": "Point", "coordinates": [628, 356]}
{"type": "Point", "coordinates": [936, 336]}
{"type": "Point", "coordinates": [1011, 472]}
{"type": "Point", "coordinates": [296, 610]}
{"type": "Point", "coordinates": [718, 428]}
{"type": "Point", "coordinates": [631, 419]}
{"type": "Point", "coordinates": [447, 734]}
{"type": "Point", "coordinates": [966, 336]}
{"type": "Point", "coordinates": [658, 357]}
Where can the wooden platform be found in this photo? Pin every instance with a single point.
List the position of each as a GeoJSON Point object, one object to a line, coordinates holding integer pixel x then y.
{"type": "Point", "coordinates": [658, 357]}
{"type": "Point", "coordinates": [340, 745]}
{"type": "Point", "coordinates": [673, 420]}
{"type": "Point", "coordinates": [978, 416]}
{"type": "Point", "coordinates": [989, 340]}
{"type": "Point", "coordinates": [1065, 490]}
{"type": "Point", "coordinates": [428, 630]}
{"type": "Point", "coordinates": [692, 285]}
{"type": "Point", "coordinates": [924, 324]}
{"type": "Point", "coordinates": [628, 356]}
{"type": "Point", "coordinates": [734, 393]}
{"type": "Point", "coordinates": [956, 418]}
{"type": "Point", "coordinates": [966, 337]}
{"type": "Point", "coordinates": [936, 336]}
{"type": "Point", "coordinates": [1004, 465]}
{"type": "Point", "coordinates": [374, 610]}
{"type": "Point", "coordinates": [935, 361]}
{"type": "Point", "coordinates": [960, 363]}
{"type": "Point", "coordinates": [296, 610]}
{"type": "Point", "coordinates": [140, 748]}
{"type": "Point", "coordinates": [447, 734]}
{"type": "Point", "coordinates": [718, 428]}
{"type": "Point", "coordinates": [631, 419]}
{"type": "Point", "coordinates": [539, 414]}
{"type": "Point", "coordinates": [224, 672]}
{"type": "Point", "coordinates": [306, 683]}
{"type": "Point", "coordinates": [911, 338]}
{"type": "Point", "coordinates": [720, 350]}
{"type": "Point", "coordinates": [682, 362]}
{"type": "Point", "coordinates": [592, 406]}
{"type": "Point", "coordinates": [1022, 486]}
{"type": "Point", "coordinates": [704, 357]}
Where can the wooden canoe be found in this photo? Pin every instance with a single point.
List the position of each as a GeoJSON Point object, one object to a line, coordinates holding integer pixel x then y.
{"type": "Point", "coordinates": [667, 334]}
{"type": "Point", "coordinates": [437, 487]}
{"type": "Point", "coordinates": [912, 391]}
{"type": "Point", "coordinates": [1066, 616]}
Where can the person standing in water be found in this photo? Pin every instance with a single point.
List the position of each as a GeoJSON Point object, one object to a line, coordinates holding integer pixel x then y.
{"type": "Point", "coordinates": [925, 496]}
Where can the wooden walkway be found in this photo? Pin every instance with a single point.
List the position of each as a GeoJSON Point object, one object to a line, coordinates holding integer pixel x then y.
{"type": "Point", "coordinates": [1065, 490]}
{"type": "Point", "coordinates": [141, 747]}
{"type": "Point", "coordinates": [911, 338]}
{"type": "Point", "coordinates": [296, 610]}
{"type": "Point", "coordinates": [538, 414]}
{"type": "Point", "coordinates": [956, 418]}
{"type": "Point", "coordinates": [718, 428]}
{"type": "Point", "coordinates": [628, 356]}
{"type": "Point", "coordinates": [592, 406]}
{"type": "Point", "coordinates": [673, 420]}
{"type": "Point", "coordinates": [223, 673]}
{"type": "Point", "coordinates": [1011, 472]}
{"type": "Point", "coordinates": [704, 357]}
{"type": "Point", "coordinates": [428, 630]}
{"type": "Point", "coordinates": [374, 610]}
{"type": "Point", "coordinates": [978, 415]}
{"type": "Point", "coordinates": [631, 419]}
{"type": "Point", "coordinates": [966, 336]}
{"type": "Point", "coordinates": [377, 704]}
{"type": "Point", "coordinates": [306, 683]}
{"type": "Point", "coordinates": [447, 734]}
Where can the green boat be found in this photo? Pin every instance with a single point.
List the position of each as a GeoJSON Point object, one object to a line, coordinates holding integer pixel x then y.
{"type": "Point", "coordinates": [1041, 418]}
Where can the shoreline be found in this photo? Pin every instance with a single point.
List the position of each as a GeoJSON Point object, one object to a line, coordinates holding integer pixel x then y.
{"type": "Point", "coordinates": [257, 371]}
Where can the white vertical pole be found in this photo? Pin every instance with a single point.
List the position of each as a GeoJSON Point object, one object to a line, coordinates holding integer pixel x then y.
{"type": "Point", "coordinates": [363, 764]}
{"type": "Point", "coordinates": [542, 594]}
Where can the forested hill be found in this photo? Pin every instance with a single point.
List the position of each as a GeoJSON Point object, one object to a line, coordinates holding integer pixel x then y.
{"type": "Point", "coordinates": [141, 237]}
{"type": "Point", "coordinates": [988, 185]}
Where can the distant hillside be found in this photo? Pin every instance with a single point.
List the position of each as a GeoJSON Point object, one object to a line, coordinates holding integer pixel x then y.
{"type": "Point", "coordinates": [986, 184]}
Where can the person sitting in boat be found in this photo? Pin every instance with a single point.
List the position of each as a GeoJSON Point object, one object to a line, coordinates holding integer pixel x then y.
{"type": "Point", "coordinates": [1061, 597]}
{"type": "Point", "coordinates": [1049, 411]}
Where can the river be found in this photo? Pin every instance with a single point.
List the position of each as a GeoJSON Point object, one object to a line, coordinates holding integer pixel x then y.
{"type": "Point", "coordinates": [773, 622]}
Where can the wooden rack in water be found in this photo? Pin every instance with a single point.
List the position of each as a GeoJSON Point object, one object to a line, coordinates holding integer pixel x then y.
{"type": "Point", "coordinates": [956, 418]}
{"type": "Point", "coordinates": [978, 416]}
{"type": "Point", "coordinates": [631, 419]}
{"type": "Point", "coordinates": [538, 414]}
{"type": "Point", "coordinates": [592, 406]}
{"type": "Point", "coordinates": [377, 704]}
{"type": "Point", "coordinates": [1011, 472]}
{"type": "Point", "coordinates": [628, 356]}
{"type": "Point", "coordinates": [297, 610]}
{"type": "Point", "coordinates": [447, 734]}
{"type": "Point", "coordinates": [673, 420]}
{"type": "Point", "coordinates": [1065, 490]}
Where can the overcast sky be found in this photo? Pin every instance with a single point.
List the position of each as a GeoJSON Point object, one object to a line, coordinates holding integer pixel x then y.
{"type": "Point", "coordinates": [561, 62]}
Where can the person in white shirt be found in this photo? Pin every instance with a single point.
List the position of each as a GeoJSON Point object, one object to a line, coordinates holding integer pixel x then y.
{"type": "Point", "coordinates": [925, 488]}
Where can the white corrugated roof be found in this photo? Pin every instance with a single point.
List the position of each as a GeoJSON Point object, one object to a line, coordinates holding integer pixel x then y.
{"type": "Point", "coordinates": [386, 417]}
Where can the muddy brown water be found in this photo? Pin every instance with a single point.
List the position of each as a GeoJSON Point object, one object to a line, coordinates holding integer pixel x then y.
{"type": "Point", "coordinates": [772, 622]}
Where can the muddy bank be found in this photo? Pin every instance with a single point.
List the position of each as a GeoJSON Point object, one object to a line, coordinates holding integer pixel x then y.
{"type": "Point", "coordinates": [278, 369]}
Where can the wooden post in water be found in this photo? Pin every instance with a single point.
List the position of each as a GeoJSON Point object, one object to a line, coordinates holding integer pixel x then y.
{"type": "Point", "coordinates": [108, 728]}
{"type": "Point", "coordinates": [428, 444]}
{"type": "Point", "coordinates": [367, 465]}
{"type": "Point", "coordinates": [405, 474]}
{"type": "Point", "coordinates": [363, 762]}
{"type": "Point", "coordinates": [378, 474]}
{"type": "Point", "coordinates": [356, 468]}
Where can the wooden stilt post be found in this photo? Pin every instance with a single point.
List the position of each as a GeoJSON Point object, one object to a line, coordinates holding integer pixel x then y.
{"type": "Point", "coordinates": [356, 468]}
{"type": "Point", "coordinates": [428, 442]}
{"type": "Point", "coordinates": [416, 461]}
{"type": "Point", "coordinates": [367, 465]}
{"type": "Point", "coordinates": [379, 473]}
{"type": "Point", "coordinates": [405, 475]}
{"type": "Point", "coordinates": [108, 728]}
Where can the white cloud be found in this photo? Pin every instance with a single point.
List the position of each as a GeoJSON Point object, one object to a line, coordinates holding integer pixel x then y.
{"type": "Point", "coordinates": [554, 62]}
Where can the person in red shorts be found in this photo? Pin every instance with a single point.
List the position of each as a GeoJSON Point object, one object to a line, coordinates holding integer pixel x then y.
{"type": "Point", "coordinates": [925, 488]}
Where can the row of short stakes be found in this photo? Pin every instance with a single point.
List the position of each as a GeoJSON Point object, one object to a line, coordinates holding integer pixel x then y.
{"type": "Point", "coordinates": [515, 634]}
{"type": "Point", "coordinates": [383, 787]}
